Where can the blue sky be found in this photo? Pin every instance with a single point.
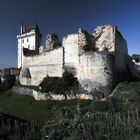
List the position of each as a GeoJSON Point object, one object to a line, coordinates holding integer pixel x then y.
{"type": "Point", "coordinates": [63, 17]}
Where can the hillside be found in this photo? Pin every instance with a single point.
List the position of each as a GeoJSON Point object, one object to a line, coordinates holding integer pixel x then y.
{"type": "Point", "coordinates": [116, 117]}
{"type": "Point", "coordinates": [125, 96]}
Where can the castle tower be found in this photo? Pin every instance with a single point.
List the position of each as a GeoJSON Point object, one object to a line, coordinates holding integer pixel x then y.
{"type": "Point", "coordinates": [29, 38]}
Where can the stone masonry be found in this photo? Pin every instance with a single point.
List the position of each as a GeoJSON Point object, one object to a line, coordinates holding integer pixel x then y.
{"type": "Point", "coordinates": [98, 60]}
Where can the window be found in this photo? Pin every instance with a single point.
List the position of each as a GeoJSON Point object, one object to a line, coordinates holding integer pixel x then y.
{"type": "Point", "coordinates": [27, 40]}
{"type": "Point", "coordinates": [22, 40]}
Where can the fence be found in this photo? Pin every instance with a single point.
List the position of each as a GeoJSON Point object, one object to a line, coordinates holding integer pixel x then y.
{"type": "Point", "coordinates": [90, 126]}
{"type": "Point", "coordinates": [116, 126]}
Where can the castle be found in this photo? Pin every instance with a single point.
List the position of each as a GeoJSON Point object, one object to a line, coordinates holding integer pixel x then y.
{"type": "Point", "coordinates": [98, 60]}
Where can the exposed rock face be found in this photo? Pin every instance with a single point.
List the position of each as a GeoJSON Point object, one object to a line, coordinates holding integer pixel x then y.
{"type": "Point", "coordinates": [52, 42]}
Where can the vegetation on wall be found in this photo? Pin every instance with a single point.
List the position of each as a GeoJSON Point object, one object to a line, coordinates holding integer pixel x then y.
{"type": "Point", "coordinates": [64, 85]}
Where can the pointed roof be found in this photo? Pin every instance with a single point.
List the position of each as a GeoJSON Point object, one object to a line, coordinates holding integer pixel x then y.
{"type": "Point", "coordinates": [26, 30]}
{"type": "Point", "coordinates": [36, 26]}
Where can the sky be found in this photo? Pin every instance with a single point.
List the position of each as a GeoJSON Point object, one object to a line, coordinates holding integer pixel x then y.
{"type": "Point", "coordinates": [65, 17]}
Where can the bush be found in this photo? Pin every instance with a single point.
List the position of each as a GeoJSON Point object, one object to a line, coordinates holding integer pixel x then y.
{"type": "Point", "coordinates": [60, 85]}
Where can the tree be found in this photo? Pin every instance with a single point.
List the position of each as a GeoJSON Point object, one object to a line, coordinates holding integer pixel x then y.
{"type": "Point", "coordinates": [60, 85]}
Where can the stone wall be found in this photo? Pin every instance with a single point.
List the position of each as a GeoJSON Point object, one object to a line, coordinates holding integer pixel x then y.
{"type": "Point", "coordinates": [37, 95]}
{"type": "Point", "coordinates": [31, 92]}
{"type": "Point", "coordinates": [39, 66]}
{"type": "Point", "coordinates": [71, 50]}
{"type": "Point", "coordinates": [121, 55]}
{"type": "Point", "coordinates": [97, 60]}
{"type": "Point", "coordinates": [51, 57]}
{"type": "Point", "coordinates": [95, 71]}
{"type": "Point", "coordinates": [104, 37]}
{"type": "Point", "coordinates": [52, 42]}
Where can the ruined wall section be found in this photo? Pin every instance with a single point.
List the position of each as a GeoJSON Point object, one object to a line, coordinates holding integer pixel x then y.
{"type": "Point", "coordinates": [104, 37]}
{"type": "Point", "coordinates": [95, 71]}
{"type": "Point", "coordinates": [108, 39]}
{"type": "Point", "coordinates": [74, 46]}
{"type": "Point", "coordinates": [71, 53]}
{"type": "Point", "coordinates": [39, 66]}
{"type": "Point", "coordinates": [85, 41]}
{"type": "Point", "coordinates": [52, 42]}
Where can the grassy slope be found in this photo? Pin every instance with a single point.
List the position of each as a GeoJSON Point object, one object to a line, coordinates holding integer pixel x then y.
{"type": "Point", "coordinates": [125, 96]}
{"type": "Point", "coordinates": [128, 93]}
{"type": "Point", "coordinates": [26, 107]}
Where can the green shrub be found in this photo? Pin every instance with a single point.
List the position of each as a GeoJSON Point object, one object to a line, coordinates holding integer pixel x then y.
{"type": "Point", "coordinates": [60, 85]}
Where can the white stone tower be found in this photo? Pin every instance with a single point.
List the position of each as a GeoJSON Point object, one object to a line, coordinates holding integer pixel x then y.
{"type": "Point", "coordinates": [30, 39]}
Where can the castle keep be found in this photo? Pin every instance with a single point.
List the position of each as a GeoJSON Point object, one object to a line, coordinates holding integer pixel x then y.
{"type": "Point", "coordinates": [98, 60]}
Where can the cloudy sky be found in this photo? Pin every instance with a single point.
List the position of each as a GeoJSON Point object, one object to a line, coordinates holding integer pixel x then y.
{"type": "Point", "coordinates": [63, 17]}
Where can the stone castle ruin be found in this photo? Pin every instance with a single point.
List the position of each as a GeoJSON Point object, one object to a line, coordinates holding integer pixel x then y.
{"type": "Point", "coordinates": [98, 60]}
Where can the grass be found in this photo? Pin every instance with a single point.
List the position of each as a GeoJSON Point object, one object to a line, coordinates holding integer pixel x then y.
{"type": "Point", "coordinates": [73, 119]}
{"type": "Point", "coordinates": [126, 96]}
{"type": "Point", "coordinates": [126, 86]}
{"type": "Point", "coordinates": [26, 107]}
